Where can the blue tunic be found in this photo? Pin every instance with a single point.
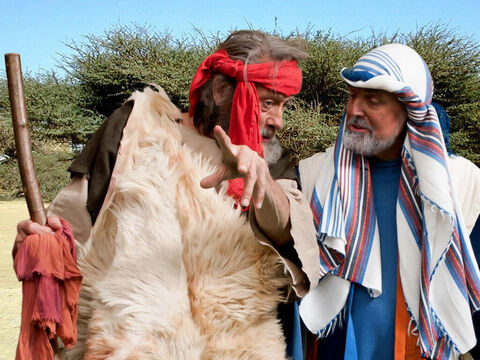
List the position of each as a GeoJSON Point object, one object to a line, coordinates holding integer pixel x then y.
{"type": "Point", "coordinates": [374, 318]}
{"type": "Point", "coordinates": [290, 320]}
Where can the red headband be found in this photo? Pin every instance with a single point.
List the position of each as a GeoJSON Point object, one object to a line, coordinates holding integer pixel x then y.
{"type": "Point", "coordinates": [284, 77]}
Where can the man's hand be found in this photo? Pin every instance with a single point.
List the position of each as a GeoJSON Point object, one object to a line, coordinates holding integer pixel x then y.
{"type": "Point", "coordinates": [239, 161]}
{"type": "Point", "coordinates": [272, 210]}
{"type": "Point", "coordinates": [28, 227]}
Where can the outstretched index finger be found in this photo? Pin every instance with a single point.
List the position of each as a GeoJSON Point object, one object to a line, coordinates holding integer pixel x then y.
{"type": "Point", "coordinates": [222, 138]}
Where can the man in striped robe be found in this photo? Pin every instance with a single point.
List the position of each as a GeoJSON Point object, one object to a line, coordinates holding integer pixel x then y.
{"type": "Point", "coordinates": [399, 279]}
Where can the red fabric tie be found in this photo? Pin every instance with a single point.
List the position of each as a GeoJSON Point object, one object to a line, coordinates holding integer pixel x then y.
{"type": "Point", "coordinates": [46, 264]}
{"type": "Point", "coordinates": [281, 76]}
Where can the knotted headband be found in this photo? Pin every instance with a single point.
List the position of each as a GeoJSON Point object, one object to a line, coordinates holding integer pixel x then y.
{"type": "Point", "coordinates": [280, 76]}
{"type": "Point", "coordinates": [438, 270]}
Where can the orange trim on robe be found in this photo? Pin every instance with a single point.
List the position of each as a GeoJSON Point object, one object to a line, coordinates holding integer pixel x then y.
{"type": "Point", "coordinates": [405, 344]}
{"type": "Point", "coordinates": [405, 347]}
{"type": "Point", "coordinates": [312, 346]}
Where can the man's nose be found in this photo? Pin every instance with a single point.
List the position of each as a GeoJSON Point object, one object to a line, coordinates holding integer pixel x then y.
{"type": "Point", "coordinates": [355, 106]}
{"type": "Point", "coordinates": [276, 117]}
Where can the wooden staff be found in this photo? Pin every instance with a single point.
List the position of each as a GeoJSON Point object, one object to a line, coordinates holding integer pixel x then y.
{"type": "Point", "coordinates": [22, 139]}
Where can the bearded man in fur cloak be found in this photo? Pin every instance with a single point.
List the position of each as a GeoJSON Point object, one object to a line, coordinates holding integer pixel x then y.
{"type": "Point", "coordinates": [172, 266]}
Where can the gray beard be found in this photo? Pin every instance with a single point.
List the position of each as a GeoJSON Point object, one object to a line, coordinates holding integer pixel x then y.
{"type": "Point", "coordinates": [272, 151]}
{"type": "Point", "coordinates": [366, 143]}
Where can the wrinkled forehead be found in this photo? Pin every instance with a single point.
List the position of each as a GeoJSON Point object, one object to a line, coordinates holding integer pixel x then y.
{"type": "Point", "coordinates": [387, 100]}
{"type": "Point", "coordinates": [377, 93]}
{"type": "Point", "coordinates": [356, 90]}
{"type": "Point", "coordinates": [274, 95]}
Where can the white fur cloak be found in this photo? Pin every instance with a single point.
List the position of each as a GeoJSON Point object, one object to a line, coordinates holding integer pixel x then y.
{"type": "Point", "coordinates": [171, 270]}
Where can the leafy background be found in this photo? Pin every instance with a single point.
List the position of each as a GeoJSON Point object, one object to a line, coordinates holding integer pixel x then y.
{"type": "Point", "coordinates": [103, 70]}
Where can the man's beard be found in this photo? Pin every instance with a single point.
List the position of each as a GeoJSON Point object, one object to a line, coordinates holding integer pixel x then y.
{"type": "Point", "coordinates": [365, 143]}
{"type": "Point", "coordinates": [272, 149]}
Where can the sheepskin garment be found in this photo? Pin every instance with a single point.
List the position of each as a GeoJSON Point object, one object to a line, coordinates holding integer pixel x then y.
{"type": "Point", "coordinates": [171, 270]}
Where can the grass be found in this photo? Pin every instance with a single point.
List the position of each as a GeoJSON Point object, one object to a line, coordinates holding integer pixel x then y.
{"type": "Point", "coordinates": [10, 289]}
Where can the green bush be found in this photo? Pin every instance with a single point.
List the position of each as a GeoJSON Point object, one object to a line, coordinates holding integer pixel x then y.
{"type": "Point", "coordinates": [454, 62]}
{"type": "Point", "coordinates": [53, 109]}
{"type": "Point", "coordinates": [103, 70]}
{"type": "Point", "coordinates": [465, 139]}
{"type": "Point", "coordinates": [322, 86]}
{"type": "Point", "coordinates": [306, 131]}
{"type": "Point", "coordinates": [55, 121]}
{"type": "Point", "coordinates": [7, 143]}
{"type": "Point", "coordinates": [110, 67]}
{"type": "Point", "coordinates": [51, 168]}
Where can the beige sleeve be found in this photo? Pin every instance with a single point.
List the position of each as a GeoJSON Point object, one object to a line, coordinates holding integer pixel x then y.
{"type": "Point", "coordinates": [311, 169]}
{"type": "Point", "coordinates": [303, 235]}
{"type": "Point", "coordinates": [466, 182]}
{"type": "Point", "coordinates": [71, 204]}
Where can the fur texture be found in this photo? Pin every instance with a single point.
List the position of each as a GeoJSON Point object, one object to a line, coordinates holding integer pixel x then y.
{"type": "Point", "coordinates": [171, 270]}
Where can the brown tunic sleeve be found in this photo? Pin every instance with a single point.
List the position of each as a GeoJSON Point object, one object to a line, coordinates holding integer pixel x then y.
{"type": "Point", "coordinates": [97, 159]}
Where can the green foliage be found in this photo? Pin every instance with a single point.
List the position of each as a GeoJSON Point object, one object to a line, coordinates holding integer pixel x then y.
{"type": "Point", "coordinates": [7, 143]}
{"type": "Point", "coordinates": [109, 68]}
{"type": "Point", "coordinates": [454, 62]}
{"type": "Point", "coordinates": [103, 70]}
{"type": "Point", "coordinates": [465, 137]}
{"type": "Point", "coordinates": [51, 167]}
{"type": "Point", "coordinates": [306, 131]}
{"type": "Point", "coordinates": [322, 86]}
{"type": "Point", "coordinates": [53, 111]}
{"type": "Point", "coordinates": [54, 118]}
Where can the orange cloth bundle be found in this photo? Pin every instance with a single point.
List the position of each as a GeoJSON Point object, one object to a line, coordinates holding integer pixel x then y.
{"type": "Point", "coordinates": [47, 266]}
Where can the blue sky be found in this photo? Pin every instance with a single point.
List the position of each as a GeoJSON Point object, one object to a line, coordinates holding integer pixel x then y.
{"type": "Point", "coordinates": [38, 29]}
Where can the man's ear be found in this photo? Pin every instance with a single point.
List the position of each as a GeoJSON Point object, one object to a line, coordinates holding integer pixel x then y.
{"type": "Point", "coordinates": [217, 90]}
